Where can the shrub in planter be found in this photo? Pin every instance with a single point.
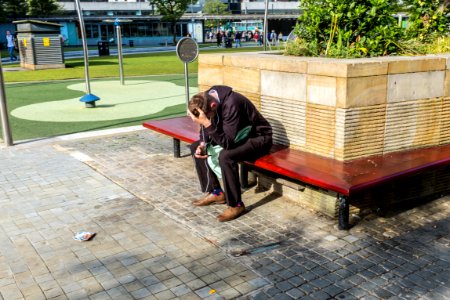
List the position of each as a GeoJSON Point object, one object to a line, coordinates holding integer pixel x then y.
{"type": "Point", "coordinates": [337, 28]}
{"type": "Point", "coordinates": [365, 28]}
{"type": "Point", "coordinates": [427, 19]}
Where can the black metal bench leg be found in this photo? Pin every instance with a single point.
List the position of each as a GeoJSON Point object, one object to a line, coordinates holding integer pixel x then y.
{"type": "Point", "coordinates": [176, 148]}
{"type": "Point", "coordinates": [243, 171]}
{"type": "Point", "coordinates": [344, 212]}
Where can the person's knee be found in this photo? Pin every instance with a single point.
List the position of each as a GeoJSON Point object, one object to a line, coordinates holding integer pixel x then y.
{"type": "Point", "coordinates": [225, 158]}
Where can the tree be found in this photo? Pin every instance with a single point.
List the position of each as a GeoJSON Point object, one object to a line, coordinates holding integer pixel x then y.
{"type": "Point", "coordinates": [214, 7]}
{"type": "Point", "coordinates": [171, 11]}
{"type": "Point", "coordinates": [14, 9]}
{"type": "Point", "coordinates": [43, 8]}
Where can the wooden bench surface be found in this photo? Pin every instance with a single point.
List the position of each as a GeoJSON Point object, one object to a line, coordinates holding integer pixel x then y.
{"type": "Point", "coordinates": [345, 178]}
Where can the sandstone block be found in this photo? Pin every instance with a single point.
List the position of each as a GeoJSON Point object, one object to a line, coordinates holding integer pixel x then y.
{"type": "Point", "coordinates": [405, 64]}
{"type": "Point", "coordinates": [445, 122]}
{"type": "Point", "coordinates": [321, 90]}
{"type": "Point", "coordinates": [211, 59]}
{"type": "Point", "coordinates": [320, 129]}
{"type": "Point", "coordinates": [411, 125]}
{"type": "Point", "coordinates": [347, 67]}
{"type": "Point", "coordinates": [361, 91]}
{"type": "Point", "coordinates": [287, 118]}
{"type": "Point", "coordinates": [288, 85]}
{"type": "Point", "coordinates": [210, 74]}
{"type": "Point", "coordinates": [415, 86]}
{"type": "Point", "coordinates": [247, 80]}
{"type": "Point", "coordinates": [447, 83]}
{"type": "Point", "coordinates": [267, 62]}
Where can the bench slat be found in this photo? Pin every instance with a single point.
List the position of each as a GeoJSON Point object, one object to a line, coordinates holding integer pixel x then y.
{"type": "Point", "coordinates": [342, 177]}
{"type": "Point", "coordinates": [182, 128]}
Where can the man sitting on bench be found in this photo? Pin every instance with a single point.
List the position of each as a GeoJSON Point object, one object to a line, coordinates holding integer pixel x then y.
{"type": "Point", "coordinates": [231, 131]}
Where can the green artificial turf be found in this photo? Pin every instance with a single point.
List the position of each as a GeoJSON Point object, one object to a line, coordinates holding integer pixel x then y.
{"type": "Point", "coordinates": [29, 87]}
{"type": "Point", "coordinates": [107, 66]}
{"type": "Point", "coordinates": [23, 94]}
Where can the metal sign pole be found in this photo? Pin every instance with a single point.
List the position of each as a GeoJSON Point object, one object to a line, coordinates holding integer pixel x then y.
{"type": "Point", "coordinates": [89, 99]}
{"type": "Point", "coordinates": [7, 137]}
{"type": "Point", "coordinates": [187, 51]}
{"type": "Point", "coordinates": [186, 82]}
{"type": "Point", "coordinates": [119, 51]}
{"type": "Point", "coordinates": [266, 9]}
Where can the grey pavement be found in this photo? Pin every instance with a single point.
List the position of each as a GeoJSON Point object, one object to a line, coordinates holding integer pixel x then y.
{"type": "Point", "coordinates": [152, 244]}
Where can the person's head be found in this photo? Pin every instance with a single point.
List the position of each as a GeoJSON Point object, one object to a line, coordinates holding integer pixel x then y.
{"type": "Point", "coordinates": [206, 102]}
{"type": "Point", "coordinates": [8, 32]}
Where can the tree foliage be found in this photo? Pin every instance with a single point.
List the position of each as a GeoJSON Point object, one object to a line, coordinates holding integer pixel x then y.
{"type": "Point", "coordinates": [43, 8]}
{"type": "Point", "coordinates": [346, 28]}
{"type": "Point", "coordinates": [428, 18]}
{"type": "Point", "coordinates": [214, 7]}
{"type": "Point", "coordinates": [171, 11]}
{"type": "Point", "coordinates": [12, 9]}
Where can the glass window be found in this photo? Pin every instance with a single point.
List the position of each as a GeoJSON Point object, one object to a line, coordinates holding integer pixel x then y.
{"type": "Point", "coordinates": [88, 31]}
{"type": "Point", "coordinates": [133, 30]}
{"type": "Point", "coordinates": [141, 29]}
{"type": "Point", "coordinates": [94, 31]}
{"type": "Point", "coordinates": [126, 30]}
{"type": "Point", "coordinates": [148, 29]}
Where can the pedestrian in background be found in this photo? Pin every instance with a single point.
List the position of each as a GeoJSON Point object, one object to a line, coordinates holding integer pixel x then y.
{"type": "Point", "coordinates": [237, 39]}
{"type": "Point", "coordinates": [10, 43]}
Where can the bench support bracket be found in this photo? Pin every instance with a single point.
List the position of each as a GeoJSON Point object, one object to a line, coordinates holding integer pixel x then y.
{"type": "Point", "coordinates": [176, 148]}
{"type": "Point", "coordinates": [344, 212]}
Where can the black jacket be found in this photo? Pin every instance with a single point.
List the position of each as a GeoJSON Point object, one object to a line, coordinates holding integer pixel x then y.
{"type": "Point", "coordinates": [234, 113]}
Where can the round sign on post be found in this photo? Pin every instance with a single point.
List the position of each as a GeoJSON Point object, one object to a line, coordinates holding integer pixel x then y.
{"type": "Point", "coordinates": [187, 51]}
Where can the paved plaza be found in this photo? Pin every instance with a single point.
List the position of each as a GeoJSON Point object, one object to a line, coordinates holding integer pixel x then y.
{"type": "Point", "coordinates": [152, 244]}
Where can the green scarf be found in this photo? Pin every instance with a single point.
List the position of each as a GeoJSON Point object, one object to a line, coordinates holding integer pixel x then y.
{"type": "Point", "coordinates": [214, 151]}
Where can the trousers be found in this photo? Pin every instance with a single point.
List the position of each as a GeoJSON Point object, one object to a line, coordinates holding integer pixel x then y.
{"type": "Point", "coordinates": [250, 150]}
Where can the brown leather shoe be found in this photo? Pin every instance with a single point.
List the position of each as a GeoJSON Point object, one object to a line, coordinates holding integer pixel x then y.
{"type": "Point", "coordinates": [210, 199]}
{"type": "Point", "coordinates": [231, 213]}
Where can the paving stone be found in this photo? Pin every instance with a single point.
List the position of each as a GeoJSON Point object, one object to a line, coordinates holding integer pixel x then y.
{"type": "Point", "coordinates": [133, 193]}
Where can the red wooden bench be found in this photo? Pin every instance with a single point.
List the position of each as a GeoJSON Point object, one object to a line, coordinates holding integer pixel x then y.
{"type": "Point", "coordinates": [347, 179]}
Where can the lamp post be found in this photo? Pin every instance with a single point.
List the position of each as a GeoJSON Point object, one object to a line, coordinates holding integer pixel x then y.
{"type": "Point", "coordinates": [89, 99]}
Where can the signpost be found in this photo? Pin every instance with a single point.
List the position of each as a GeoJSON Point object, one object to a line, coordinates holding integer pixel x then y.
{"type": "Point", "coordinates": [187, 51]}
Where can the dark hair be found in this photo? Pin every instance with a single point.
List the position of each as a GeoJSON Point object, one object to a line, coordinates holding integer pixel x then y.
{"type": "Point", "coordinates": [201, 100]}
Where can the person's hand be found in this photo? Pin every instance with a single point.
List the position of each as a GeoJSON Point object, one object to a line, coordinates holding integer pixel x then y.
{"type": "Point", "coordinates": [200, 152]}
{"type": "Point", "coordinates": [202, 119]}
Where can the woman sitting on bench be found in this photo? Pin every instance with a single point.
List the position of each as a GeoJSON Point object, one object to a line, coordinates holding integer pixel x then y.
{"type": "Point", "coordinates": [231, 130]}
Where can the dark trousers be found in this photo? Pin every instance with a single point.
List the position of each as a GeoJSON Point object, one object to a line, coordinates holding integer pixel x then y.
{"type": "Point", "coordinates": [253, 148]}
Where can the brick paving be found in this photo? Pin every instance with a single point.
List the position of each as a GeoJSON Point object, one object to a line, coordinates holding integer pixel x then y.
{"type": "Point", "coordinates": [152, 244]}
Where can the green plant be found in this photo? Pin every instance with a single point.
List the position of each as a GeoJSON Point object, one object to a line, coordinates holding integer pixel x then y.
{"type": "Point", "coordinates": [337, 28]}
{"type": "Point", "coordinates": [427, 19]}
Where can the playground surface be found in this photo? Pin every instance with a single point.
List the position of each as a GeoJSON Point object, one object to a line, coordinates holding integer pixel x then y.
{"type": "Point", "coordinates": [44, 109]}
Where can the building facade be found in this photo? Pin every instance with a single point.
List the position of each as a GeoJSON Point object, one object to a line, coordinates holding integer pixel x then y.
{"type": "Point", "coordinates": [144, 26]}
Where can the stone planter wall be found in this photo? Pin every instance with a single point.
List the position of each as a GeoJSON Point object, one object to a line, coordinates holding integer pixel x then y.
{"type": "Point", "coordinates": [342, 108]}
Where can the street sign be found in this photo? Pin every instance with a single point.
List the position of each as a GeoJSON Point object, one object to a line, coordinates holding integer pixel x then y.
{"type": "Point", "coordinates": [187, 49]}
